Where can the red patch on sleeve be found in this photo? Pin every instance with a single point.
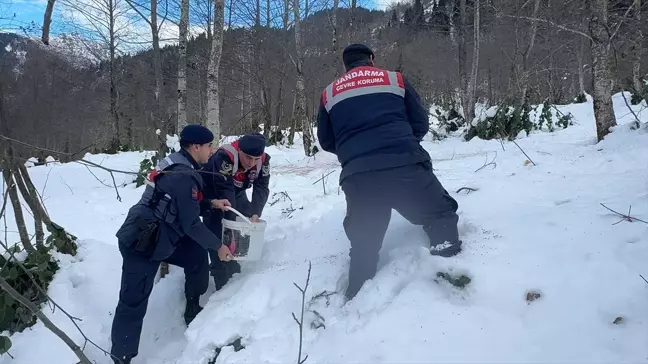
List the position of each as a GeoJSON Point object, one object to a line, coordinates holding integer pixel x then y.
{"type": "Point", "coordinates": [196, 195]}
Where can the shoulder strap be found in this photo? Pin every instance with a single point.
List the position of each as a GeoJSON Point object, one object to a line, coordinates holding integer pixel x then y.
{"type": "Point", "coordinates": [233, 154]}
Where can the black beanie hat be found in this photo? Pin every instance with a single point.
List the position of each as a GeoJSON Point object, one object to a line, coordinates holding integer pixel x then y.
{"type": "Point", "coordinates": [252, 144]}
{"type": "Point", "coordinates": [355, 52]}
{"type": "Point", "coordinates": [195, 134]}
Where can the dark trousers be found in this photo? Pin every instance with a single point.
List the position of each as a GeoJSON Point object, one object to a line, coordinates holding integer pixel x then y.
{"type": "Point", "coordinates": [138, 273]}
{"type": "Point", "coordinates": [223, 271]}
{"type": "Point", "coordinates": [413, 191]}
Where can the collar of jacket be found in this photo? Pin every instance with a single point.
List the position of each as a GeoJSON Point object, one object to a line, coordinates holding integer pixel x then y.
{"type": "Point", "coordinates": [361, 63]}
{"type": "Point", "coordinates": [193, 162]}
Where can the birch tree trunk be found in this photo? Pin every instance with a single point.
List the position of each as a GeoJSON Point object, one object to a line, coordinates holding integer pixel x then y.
{"type": "Point", "coordinates": [182, 65]}
{"type": "Point", "coordinates": [300, 103]}
{"type": "Point", "coordinates": [334, 31]}
{"type": "Point", "coordinates": [463, 77]}
{"type": "Point", "coordinates": [114, 114]}
{"type": "Point", "coordinates": [602, 74]}
{"type": "Point", "coordinates": [524, 79]}
{"type": "Point", "coordinates": [213, 94]}
{"type": "Point", "coordinates": [638, 49]}
{"type": "Point", "coordinates": [472, 86]}
{"type": "Point", "coordinates": [581, 66]}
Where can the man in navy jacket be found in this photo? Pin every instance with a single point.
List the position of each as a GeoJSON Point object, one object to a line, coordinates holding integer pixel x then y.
{"type": "Point", "coordinates": [165, 226]}
{"type": "Point", "coordinates": [373, 120]}
{"type": "Point", "coordinates": [244, 164]}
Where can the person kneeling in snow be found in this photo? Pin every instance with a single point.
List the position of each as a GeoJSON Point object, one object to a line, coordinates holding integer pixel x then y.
{"type": "Point", "coordinates": [373, 120]}
{"type": "Point", "coordinates": [165, 226]}
{"type": "Point", "coordinates": [244, 164]}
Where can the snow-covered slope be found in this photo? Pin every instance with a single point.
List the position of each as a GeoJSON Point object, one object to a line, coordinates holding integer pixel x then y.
{"type": "Point", "coordinates": [526, 228]}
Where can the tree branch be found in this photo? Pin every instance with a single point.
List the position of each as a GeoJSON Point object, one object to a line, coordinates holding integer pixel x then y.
{"type": "Point", "coordinates": [300, 323]}
{"type": "Point", "coordinates": [575, 31]}
{"type": "Point", "coordinates": [624, 217]}
{"type": "Point", "coordinates": [83, 359]}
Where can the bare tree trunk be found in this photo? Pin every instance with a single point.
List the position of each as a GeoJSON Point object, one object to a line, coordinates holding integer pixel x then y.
{"type": "Point", "coordinates": [116, 140]}
{"type": "Point", "coordinates": [524, 74]}
{"type": "Point", "coordinates": [300, 103]}
{"type": "Point", "coordinates": [581, 67]}
{"type": "Point", "coordinates": [47, 21]}
{"type": "Point", "coordinates": [334, 30]}
{"type": "Point", "coordinates": [213, 98]}
{"type": "Point", "coordinates": [463, 77]}
{"type": "Point", "coordinates": [354, 5]}
{"type": "Point", "coordinates": [31, 200]}
{"type": "Point", "coordinates": [449, 9]}
{"type": "Point", "coordinates": [159, 96]}
{"type": "Point", "coordinates": [8, 174]}
{"type": "Point", "coordinates": [638, 49]}
{"type": "Point", "coordinates": [602, 74]}
{"type": "Point", "coordinates": [472, 88]}
{"type": "Point", "coordinates": [182, 65]}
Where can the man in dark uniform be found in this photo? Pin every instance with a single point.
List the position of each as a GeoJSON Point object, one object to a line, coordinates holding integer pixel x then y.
{"type": "Point", "coordinates": [245, 164]}
{"type": "Point", "coordinates": [165, 226]}
{"type": "Point", "coordinates": [373, 120]}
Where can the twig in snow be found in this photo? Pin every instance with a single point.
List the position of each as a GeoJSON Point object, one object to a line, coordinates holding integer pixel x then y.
{"type": "Point", "coordinates": [624, 217]}
{"type": "Point", "coordinates": [45, 185]}
{"type": "Point", "coordinates": [526, 155]}
{"type": "Point", "coordinates": [642, 277]}
{"type": "Point", "coordinates": [486, 163]}
{"type": "Point", "coordinates": [625, 99]}
{"type": "Point", "coordinates": [469, 189]}
{"type": "Point", "coordinates": [103, 183]}
{"type": "Point", "coordinates": [300, 323]}
{"type": "Point", "coordinates": [324, 177]}
{"type": "Point", "coordinates": [65, 183]}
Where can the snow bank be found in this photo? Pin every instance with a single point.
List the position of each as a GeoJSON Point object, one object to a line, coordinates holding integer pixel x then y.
{"type": "Point", "coordinates": [527, 228]}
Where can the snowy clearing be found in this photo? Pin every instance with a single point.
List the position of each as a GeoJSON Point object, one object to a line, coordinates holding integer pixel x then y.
{"type": "Point", "coordinates": [525, 228]}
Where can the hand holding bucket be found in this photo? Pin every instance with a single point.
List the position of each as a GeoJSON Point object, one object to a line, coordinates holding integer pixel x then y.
{"type": "Point", "coordinates": [232, 246]}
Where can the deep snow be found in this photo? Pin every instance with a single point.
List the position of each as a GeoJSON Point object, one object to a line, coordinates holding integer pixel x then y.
{"type": "Point", "coordinates": [525, 228]}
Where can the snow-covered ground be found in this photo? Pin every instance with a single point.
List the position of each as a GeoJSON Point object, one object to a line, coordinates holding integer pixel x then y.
{"type": "Point", "coordinates": [526, 228]}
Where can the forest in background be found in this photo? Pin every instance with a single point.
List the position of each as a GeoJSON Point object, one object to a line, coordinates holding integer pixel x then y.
{"type": "Point", "coordinates": [455, 52]}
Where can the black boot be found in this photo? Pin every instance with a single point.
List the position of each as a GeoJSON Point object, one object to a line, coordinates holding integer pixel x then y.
{"type": "Point", "coordinates": [446, 249]}
{"type": "Point", "coordinates": [192, 309]}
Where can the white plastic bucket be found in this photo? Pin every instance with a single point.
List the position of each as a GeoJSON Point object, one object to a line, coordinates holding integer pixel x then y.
{"type": "Point", "coordinates": [248, 238]}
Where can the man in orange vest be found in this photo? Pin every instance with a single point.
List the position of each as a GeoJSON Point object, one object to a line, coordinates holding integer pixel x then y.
{"type": "Point", "coordinates": [233, 169]}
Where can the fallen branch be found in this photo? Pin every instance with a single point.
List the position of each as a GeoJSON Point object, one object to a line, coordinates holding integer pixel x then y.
{"type": "Point", "coordinates": [624, 217]}
{"type": "Point", "coordinates": [625, 99]}
{"type": "Point", "coordinates": [469, 189]}
{"type": "Point", "coordinates": [486, 163]}
{"type": "Point", "coordinates": [326, 175]}
{"type": "Point", "coordinates": [103, 183]}
{"type": "Point", "coordinates": [300, 323]}
{"type": "Point", "coordinates": [83, 359]}
{"type": "Point", "coordinates": [526, 155]}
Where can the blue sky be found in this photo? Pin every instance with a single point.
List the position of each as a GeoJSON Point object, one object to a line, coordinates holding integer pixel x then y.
{"type": "Point", "coordinates": [27, 11]}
